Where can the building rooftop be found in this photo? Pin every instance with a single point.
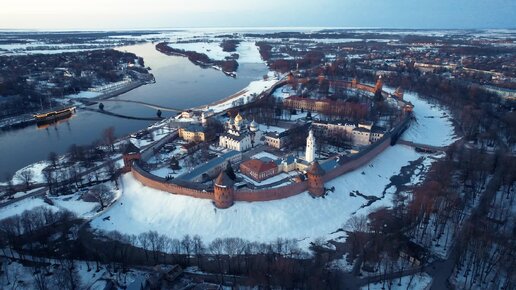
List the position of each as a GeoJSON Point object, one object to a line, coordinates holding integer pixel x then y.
{"type": "Point", "coordinates": [130, 148]}
{"type": "Point", "coordinates": [316, 169]}
{"type": "Point", "coordinates": [257, 165]}
{"type": "Point", "coordinates": [208, 165]}
{"type": "Point", "coordinates": [223, 180]}
{"type": "Point", "coordinates": [195, 128]}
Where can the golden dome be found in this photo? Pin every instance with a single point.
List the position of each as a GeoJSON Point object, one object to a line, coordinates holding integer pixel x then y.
{"type": "Point", "coordinates": [238, 118]}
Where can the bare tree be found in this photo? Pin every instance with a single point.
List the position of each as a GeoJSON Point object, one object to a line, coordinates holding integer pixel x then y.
{"type": "Point", "coordinates": [102, 194]}
{"type": "Point", "coordinates": [108, 136]}
{"type": "Point", "coordinates": [26, 176]}
{"type": "Point", "coordinates": [53, 158]}
{"type": "Point", "coordinates": [40, 278]}
{"type": "Point", "coordinates": [113, 171]}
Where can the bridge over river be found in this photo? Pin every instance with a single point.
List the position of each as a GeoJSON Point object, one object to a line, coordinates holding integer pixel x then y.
{"type": "Point", "coordinates": [149, 105]}
{"type": "Point", "coordinates": [422, 147]}
{"type": "Point", "coordinates": [89, 102]}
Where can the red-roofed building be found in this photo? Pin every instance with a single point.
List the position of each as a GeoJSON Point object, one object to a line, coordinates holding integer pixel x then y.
{"type": "Point", "coordinates": [258, 170]}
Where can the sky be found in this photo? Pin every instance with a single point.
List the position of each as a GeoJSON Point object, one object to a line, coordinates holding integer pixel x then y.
{"type": "Point", "coordinates": [147, 14]}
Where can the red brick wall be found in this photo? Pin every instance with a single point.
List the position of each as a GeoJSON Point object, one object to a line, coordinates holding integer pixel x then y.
{"type": "Point", "coordinates": [262, 194]}
{"type": "Point", "coordinates": [272, 193]}
{"type": "Point", "coordinates": [169, 187]}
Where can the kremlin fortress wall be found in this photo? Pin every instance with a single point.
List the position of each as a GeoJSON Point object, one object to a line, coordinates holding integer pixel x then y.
{"type": "Point", "coordinates": [224, 194]}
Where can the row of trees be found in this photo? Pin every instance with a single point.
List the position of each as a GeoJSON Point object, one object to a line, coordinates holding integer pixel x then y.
{"type": "Point", "coordinates": [280, 262]}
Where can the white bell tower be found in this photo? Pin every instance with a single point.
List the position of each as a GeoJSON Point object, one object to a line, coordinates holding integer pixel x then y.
{"type": "Point", "coordinates": [204, 122]}
{"type": "Point", "coordinates": [310, 147]}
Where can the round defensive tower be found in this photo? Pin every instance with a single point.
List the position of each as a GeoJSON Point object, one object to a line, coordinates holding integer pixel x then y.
{"type": "Point", "coordinates": [131, 153]}
{"type": "Point", "coordinates": [223, 190]}
{"type": "Point", "coordinates": [315, 179]}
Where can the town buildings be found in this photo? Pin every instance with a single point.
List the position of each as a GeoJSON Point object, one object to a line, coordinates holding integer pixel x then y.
{"type": "Point", "coordinates": [193, 133]}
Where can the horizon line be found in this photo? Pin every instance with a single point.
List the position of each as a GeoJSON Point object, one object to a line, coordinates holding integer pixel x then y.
{"type": "Point", "coordinates": [279, 27]}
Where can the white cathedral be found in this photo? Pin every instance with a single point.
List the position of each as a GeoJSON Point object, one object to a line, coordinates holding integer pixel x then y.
{"type": "Point", "coordinates": [240, 135]}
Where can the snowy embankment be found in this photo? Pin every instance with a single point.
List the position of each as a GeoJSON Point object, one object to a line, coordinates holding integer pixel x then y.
{"type": "Point", "coordinates": [245, 96]}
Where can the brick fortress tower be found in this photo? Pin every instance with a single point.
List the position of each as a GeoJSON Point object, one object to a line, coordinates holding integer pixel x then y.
{"type": "Point", "coordinates": [131, 153]}
{"type": "Point", "coordinates": [379, 85]}
{"type": "Point", "coordinates": [315, 179]}
{"type": "Point", "coordinates": [223, 190]}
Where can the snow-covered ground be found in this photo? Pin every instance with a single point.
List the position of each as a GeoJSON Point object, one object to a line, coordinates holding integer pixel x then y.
{"type": "Point", "coordinates": [300, 217]}
{"type": "Point", "coordinates": [284, 92]}
{"type": "Point", "coordinates": [340, 264]}
{"type": "Point", "coordinates": [75, 204]}
{"type": "Point", "coordinates": [420, 281]}
{"type": "Point", "coordinates": [37, 171]}
{"type": "Point", "coordinates": [72, 203]}
{"type": "Point", "coordinates": [273, 179]}
{"type": "Point", "coordinates": [433, 124]}
{"type": "Point", "coordinates": [22, 277]}
{"type": "Point", "coordinates": [26, 204]}
{"type": "Point", "coordinates": [265, 128]}
{"type": "Point", "coordinates": [264, 154]}
{"type": "Point", "coordinates": [166, 171]}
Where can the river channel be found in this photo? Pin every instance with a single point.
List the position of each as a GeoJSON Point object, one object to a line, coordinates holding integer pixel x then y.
{"type": "Point", "coordinates": [179, 84]}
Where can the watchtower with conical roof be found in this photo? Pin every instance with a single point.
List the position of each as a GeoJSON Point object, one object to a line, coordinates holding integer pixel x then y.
{"type": "Point", "coordinates": [223, 190]}
{"type": "Point", "coordinates": [379, 85]}
{"type": "Point", "coordinates": [315, 179]}
{"type": "Point", "coordinates": [131, 153]}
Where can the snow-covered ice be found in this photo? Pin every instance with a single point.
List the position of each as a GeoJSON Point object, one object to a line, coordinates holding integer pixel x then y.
{"type": "Point", "coordinates": [433, 124]}
{"type": "Point", "coordinates": [248, 53]}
